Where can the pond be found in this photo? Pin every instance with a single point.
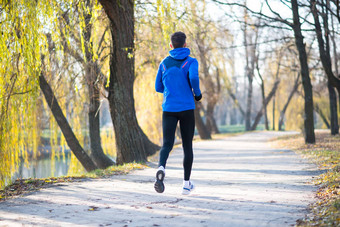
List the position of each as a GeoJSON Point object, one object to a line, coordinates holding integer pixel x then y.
{"type": "Point", "coordinates": [47, 167]}
{"type": "Point", "coordinates": [43, 168]}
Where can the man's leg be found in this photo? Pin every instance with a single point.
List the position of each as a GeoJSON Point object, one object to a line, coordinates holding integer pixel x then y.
{"type": "Point", "coordinates": [169, 129]}
{"type": "Point", "coordinates": [187, 125]}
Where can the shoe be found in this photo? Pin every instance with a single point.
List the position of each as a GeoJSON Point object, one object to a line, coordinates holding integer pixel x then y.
{"type": "Point", "coordinates": [186, 191]}
{"type": "Point", "coordinates": [159, 186]}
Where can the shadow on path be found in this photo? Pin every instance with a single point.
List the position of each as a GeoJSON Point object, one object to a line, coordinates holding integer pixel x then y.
{"type": "Point", "coordinates": [241, 181]}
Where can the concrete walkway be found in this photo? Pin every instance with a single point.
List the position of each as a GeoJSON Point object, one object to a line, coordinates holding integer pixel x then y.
{"type": "Point", "coordinates": [240, 181]}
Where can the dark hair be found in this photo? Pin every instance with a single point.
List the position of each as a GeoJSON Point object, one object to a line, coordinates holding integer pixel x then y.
{"type": "Point", "coordinates": [178, 39]}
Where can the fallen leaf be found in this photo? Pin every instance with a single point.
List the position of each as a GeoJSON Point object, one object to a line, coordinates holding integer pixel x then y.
{"type": "Point", "coordinates": [93, 208]}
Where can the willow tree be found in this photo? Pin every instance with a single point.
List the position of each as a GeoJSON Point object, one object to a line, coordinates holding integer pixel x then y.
{"type": "Point", "coordinates": [77, 27]}
{"type": "Point", "coordinates": [20, 50]}
{"type": "Point", "coordinates": [23, 25]}
{"type": "Point", "coordinates": [19, 46]}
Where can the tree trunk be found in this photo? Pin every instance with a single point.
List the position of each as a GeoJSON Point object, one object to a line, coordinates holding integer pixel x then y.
{"type": "Point", "coordinates": [322, 115]}
{"type": "Point", "coordinates": [236, 102]}
{"type": "Point", "coordinates": [273, 113]}
{"type": "Point", "coordinates": [97, 153]}
{"type": "Point", "coordinates": [249, 102]}
{"type": "Point", "coordinates": [212, 90]}
{"type": "Point", "coordinates": [250, 68]}
{"type": "Point", "coordinates": [324, 49]}
{"type": "Point", "coordinates": [211, 123]}
{"type": "Point", "coordinates": [91, 70]}
{"type": "Point", "coordinates": [71, 139]}
{"type": "Point", "coordinates": [201, 128]}
{"type": "Point", "coordinates": [325, 56]}
{"type": "Point", "coordinates": [264, 106]}
{"type": "Point", "coordinates": [283, 111]}
{"type": "Point", "coordinates": [132, 143]}
{"type": "Point", "coordinates": [266, 101]}
{"type": "Point", "coordinates": [335, 52]}
{"type": "Point", "coordinates": [233, 116]}
{"type": "Point", "coordinates": [263, 94]}
{"type": "Point", "coordinates": [333, 110]}
{"type": "Point", "coordinates": [307, 86]}
{"type": "Point", "coordinates": [224, 115]}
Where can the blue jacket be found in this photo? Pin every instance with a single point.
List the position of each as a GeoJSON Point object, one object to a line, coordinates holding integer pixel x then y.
{"type": "Point", "coordinates": [177, 78]}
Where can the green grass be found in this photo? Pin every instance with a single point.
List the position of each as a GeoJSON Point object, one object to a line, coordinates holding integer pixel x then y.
{"type": "Point", "coordinates": [236, 128]}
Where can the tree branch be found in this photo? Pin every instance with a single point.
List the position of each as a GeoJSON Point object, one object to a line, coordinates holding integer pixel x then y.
{"type": "Point", "coordinates": [278, 19]}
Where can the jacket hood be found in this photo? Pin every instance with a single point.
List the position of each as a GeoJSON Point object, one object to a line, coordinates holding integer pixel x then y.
{"type": "Point", "coordinates": [179, 53]}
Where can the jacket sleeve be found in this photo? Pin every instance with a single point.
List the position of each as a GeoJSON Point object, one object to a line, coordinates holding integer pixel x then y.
{"type": "Point", "coordinates": [159, 84]}
{"type": "Point", "coordinates": [193, 77]}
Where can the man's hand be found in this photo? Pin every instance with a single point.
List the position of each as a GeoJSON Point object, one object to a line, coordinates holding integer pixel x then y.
{"type": "Point", "coordinates": [198, 98]}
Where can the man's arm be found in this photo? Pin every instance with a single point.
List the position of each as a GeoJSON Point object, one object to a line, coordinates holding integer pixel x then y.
{"type": "Point", "coordinates": [159, 84]}
{"type": "Point", "coordinates": [194, 79]}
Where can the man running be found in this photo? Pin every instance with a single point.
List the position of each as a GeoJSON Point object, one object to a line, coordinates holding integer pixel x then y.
{"type": "Point", "coordinates": [178, 80]}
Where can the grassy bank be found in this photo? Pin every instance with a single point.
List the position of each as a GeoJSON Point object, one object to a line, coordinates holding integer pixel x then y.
{"type": "Point", "coordinates": [23, 186]}
{"type": "Point", "coordinates": [326, 154]}
{"type": "Point", "coordinates": [237, 128]}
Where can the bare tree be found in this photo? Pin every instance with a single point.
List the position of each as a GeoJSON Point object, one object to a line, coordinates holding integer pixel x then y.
{"type": "Point", "coordinates": [324, 51]}
{"type": "Point", "coordinates": [291, 94]}
{"type": "Point", "coordinates": [264, 104]}
{"type": "Point", "coordinates": [250, 46]}
{"type": "Point", "coordinates": [309, 117]}
{"type": "Point", "coordinates": [306, 82]}
{"type": "Point", "coordinates": [201, 128]}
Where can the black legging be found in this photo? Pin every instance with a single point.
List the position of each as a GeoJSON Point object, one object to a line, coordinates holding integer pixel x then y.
{"type": "Point", "coordinates": [187, 125]}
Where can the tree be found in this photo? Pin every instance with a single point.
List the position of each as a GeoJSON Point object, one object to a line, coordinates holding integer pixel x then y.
{"type": "Point", "coordinates": [322, 115]}
{"type": "Point", "coordinates": [291, 94]}
{"type": "Point", "coordinates": [265, 103]}
{"type": "Point", "coordinates": [204, 133]}
{"type": "Point", "coordinates": [324, 51]}
{"type": "Point", "coordinates": [250, 57]}
{"type": "Point", "coordinates": [81, 48]}
{"type": "Point", "coordinates": [71, 139]}
{"type": "Point", "coordinates": [212, 90]}
{"type": "Point", "coordinates": [132, 143]}
{"type": "Point", "coordinates": [21, 42]}
{"type": "Point", "coordinates": [296, 27]}
{"type": "Point", "coordinates": [309, 117]}
{"type": "Point", "coordinates": [92, 76]}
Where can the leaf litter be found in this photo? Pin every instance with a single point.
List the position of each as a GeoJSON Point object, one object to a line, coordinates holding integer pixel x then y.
{"type": "Point", "coordinates": [326, 154]}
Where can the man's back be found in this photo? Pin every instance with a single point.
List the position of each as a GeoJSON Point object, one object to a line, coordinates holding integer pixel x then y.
{"type": "Point", "coordinates": [177, 75]}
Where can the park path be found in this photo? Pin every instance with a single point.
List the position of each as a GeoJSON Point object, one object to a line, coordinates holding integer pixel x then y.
{"type": "Point", "coordinates": [240, 180]}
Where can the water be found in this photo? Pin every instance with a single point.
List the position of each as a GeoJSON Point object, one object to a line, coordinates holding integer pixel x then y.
{"type": "Point", "coordinates": [43, 168]}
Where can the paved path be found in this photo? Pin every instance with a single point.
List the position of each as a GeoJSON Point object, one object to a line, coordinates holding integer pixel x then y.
{"type": "Point", "coordinates": [241, 181]}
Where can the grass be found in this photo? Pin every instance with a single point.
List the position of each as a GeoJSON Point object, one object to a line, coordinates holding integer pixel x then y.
{"type": "Point", "coordinates": [326, 154]}
{"type": "Point", "coordinates": [237, 128]}
{"type": "Point", "coordinates": [24, 186]}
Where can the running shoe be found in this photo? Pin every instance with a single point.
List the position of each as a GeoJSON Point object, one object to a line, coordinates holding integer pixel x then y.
{"type": "Point", "coordinates": [187, 190]}
{"type": "Point", "coordinates": [159, 186]}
